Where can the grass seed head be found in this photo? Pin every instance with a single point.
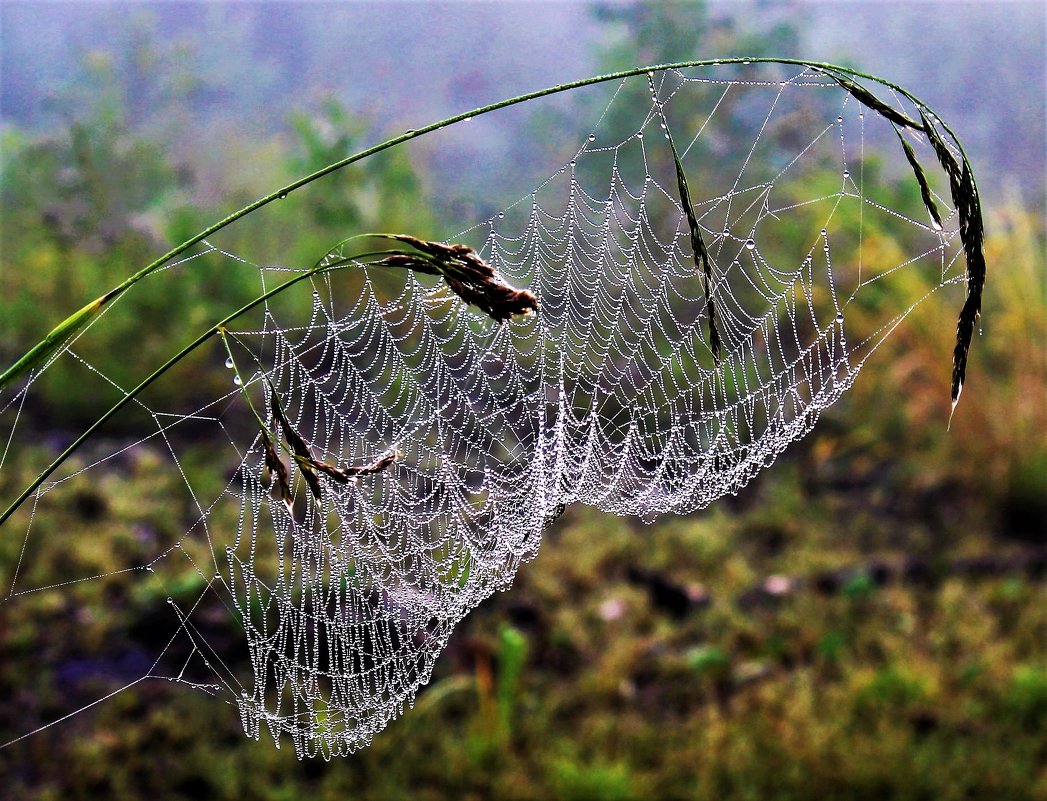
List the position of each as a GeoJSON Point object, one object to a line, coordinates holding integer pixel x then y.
{"type": "Point", "coordinates": [467, 275]}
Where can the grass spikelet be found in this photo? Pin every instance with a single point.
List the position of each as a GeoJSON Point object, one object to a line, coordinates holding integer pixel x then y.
{"type": "Point", "coordinates": [59, 336]}
{"type": "Point", "coordinates": [300, 449]}
{"type": "Point", "coordinates": [312, 467]}
{"type": "Point", "coordinates": [275, 466]}
{"type": "Point", "coordinates": [921, 179]}
{"type": "Point", "coordinates": [471, 278]}
{"type": "Point", "coordinates": [972, 233]}
{"type": "Point", "coordinates": [698, 249]}
{"type": "Point", "coordinates": [872, 102]}
{"type": "Point", "coordinates": [345, 475]}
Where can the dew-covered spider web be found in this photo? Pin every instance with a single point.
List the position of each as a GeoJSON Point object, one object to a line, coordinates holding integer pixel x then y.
{"type": "Point", "coordinates": [652, 379]}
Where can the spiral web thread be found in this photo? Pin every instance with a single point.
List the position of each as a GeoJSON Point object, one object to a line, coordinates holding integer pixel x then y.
{"type": "Point", "coordinates": [610, 395]}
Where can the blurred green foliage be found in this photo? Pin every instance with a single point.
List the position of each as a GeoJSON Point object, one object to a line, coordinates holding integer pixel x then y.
{"type": "Point", "coordinates": [580, 683]}
{"type": "Point", "coordinates": [94, 202]}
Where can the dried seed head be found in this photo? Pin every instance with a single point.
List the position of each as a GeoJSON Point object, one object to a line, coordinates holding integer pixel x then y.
{"type": "Point", "coordinates": [347, 475]}
{"type": "Point", "coordinates": [275, 467]}
{"type": "Point", "coordinates": [468, 276]}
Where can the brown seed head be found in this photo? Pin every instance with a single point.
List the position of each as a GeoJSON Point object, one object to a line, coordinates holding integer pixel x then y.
{"type": "Point", "coordinates": [468, 276]}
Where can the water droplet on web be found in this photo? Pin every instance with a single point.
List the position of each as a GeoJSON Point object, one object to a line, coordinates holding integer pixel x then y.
{"type": "Point", "coordinates": [229, 363]}
{"type": "Point", "coordinates": [572, 163]}
{"type": "Point", "coordinates": [468, 119]}
{"type": "Point", "coordinates": [501, 215]}
{"type": "Point", "coordinates": [747, 62]}
{"type": "Point", "coordinates": [236, 380]}
{"type": "Point", "coordinates": [750, 244]}
{"type": "Point", "coordinates": [592, 137]}
{"type": "Point", "coordinates": [283, 196]}
{"type": "Point", "coordinates": [839, 318]}
{"type": "Point", "coordinates": [839, 119]}
{"type": "Point", "coordinates": [639, 134]}
{"type": "Point", "coordinates": [825, 232]}
{"type": "Point", "coordinates": [846, 173]}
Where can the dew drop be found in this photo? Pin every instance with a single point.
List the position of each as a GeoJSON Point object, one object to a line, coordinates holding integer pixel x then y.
{"type": "Point", "coordinates": [501, 215]}
{"type": "Point", "coordinates": [846, 173]}
{"type": "Point", "coordinates": [283, 196]}
{"type": "Point", "coordinates": [229, 363]}
{"type": "Point", "coordinates": [639, 134]}
{"type": "Point", "coordinates": [825, 232]}
{"type": "Point", "coordinates": [468, 119]}
{"type": "Point", "coordinates": [746, 63]}
{"type": "Point", "coordinates": [750, 244]}
{"type": "Point", "coordinates": [236, 380]}
{"type": "Point", "coordinates": [839, 319]}
{"type": "Point", "coordinates": [592, 137]}
{"type": "Point", "coordinates": [572, 162]}
{"type": "Point", "coordinates": [170, 600]}
{"type": "Point", "coordinates": [839, 119]}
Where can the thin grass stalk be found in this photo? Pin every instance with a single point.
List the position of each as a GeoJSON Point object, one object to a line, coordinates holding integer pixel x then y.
{"type": "Point", "coordinates": [921, 179]}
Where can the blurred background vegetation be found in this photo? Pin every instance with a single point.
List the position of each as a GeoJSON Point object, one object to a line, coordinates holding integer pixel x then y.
{"type": "Point", "coordinates": [867, 619]}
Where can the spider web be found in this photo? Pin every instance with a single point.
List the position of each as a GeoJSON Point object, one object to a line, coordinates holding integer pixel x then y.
{"type": "Point", "coordinates": [612, 395]}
